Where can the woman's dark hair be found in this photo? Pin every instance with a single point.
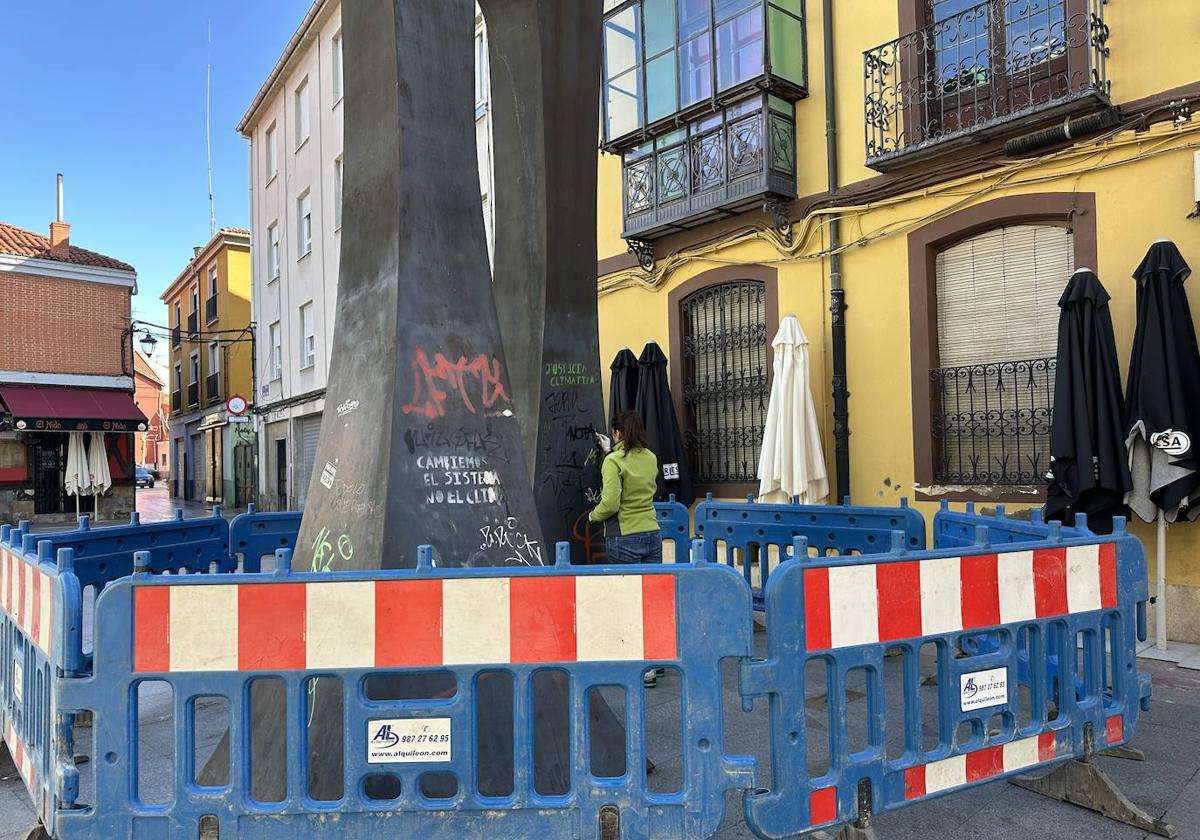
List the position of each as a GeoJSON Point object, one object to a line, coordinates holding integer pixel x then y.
{"type": "Point", "coordinates": [633, 431]}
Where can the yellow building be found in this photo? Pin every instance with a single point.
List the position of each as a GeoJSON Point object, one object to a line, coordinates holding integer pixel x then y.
{"type": "Point", "coordinates": [211, 365]}
{"type": "Point", "coordinates": [980, 153]}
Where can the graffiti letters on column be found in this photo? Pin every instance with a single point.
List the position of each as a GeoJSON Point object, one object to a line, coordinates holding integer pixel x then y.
{"type": "Point", "coordinates": [567, 447]}
{"type": "Point", "coordinates": [454, 462]}
{"type": "Point", "coordinates": [477, 384]}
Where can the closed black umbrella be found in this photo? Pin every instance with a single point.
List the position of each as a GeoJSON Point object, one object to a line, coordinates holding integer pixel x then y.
{"type": "Point", "coordinates": [1089, 464]}
{"type": "Point", "coordinates": [622, 392]}
{"type": "Point", "coordinates": [1162, 405]}
{"type": "Point", "coordinates": [657, 409]}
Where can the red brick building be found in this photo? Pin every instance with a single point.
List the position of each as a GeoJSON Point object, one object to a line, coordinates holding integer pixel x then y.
{"type": "Point", "coordinates": [66, 365]}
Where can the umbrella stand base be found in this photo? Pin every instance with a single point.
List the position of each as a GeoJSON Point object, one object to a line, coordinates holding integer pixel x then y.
{"type": "Point", "coordinates": [1127, 753]}
{"type": "Point", "coordinates": [853, 831]}
{"type": "Point", "coordinates": [1084, 784]}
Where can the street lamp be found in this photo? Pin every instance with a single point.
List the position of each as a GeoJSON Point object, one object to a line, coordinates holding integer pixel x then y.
{"type": "Point", "coordinates": [148, 343]}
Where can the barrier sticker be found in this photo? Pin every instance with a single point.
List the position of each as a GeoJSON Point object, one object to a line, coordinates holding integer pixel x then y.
{"type": "Point", "coordinates": [18, 681]}
{"type": "Point", "coordinates": [981, 689]}
{"type": "Point", "coordinates": [408, 740]}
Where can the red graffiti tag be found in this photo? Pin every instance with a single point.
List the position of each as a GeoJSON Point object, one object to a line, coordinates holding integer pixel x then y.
{"type": "Point", "coordinates": [592, 536]}
{"type": "Point", "coordinates": [434, 383]}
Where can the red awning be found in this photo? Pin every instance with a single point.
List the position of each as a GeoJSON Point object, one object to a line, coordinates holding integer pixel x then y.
{"type": "Point", "coordinates": [62, 408]}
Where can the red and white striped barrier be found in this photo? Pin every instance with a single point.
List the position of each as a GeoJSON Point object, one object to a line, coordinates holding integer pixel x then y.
{"type": "Point", "coordinates": [868, 604]}
{"type": "Point", "coordinates": [27, 595]}
{"type": "Point", "coordinates": [20, 756]}
{"type": "Point", "coordinates": [404, 623]}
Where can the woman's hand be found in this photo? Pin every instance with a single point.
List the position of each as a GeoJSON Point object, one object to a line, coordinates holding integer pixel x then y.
{"type": "Point", "coordinates": [605, 443]}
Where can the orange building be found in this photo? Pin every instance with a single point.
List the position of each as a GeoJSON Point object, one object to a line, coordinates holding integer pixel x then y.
{"type": "Point", "coordinates": [150, 394]}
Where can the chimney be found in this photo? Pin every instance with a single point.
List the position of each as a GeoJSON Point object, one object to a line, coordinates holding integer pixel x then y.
{"type": "Point", "coordinates": [196, 249]}
{"type": "Point", "coordinates": [60, 231]}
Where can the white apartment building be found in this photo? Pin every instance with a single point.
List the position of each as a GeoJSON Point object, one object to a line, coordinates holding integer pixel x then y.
{"type": "Point", "coordinates": [294, 126]}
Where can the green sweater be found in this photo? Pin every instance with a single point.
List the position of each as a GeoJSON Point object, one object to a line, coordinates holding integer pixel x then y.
{"type": "Point", "coordinates": [630, 482]}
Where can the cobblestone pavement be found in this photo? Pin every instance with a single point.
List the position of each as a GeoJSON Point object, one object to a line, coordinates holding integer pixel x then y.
{"type": "Point", "coordinates": [1166, 784]}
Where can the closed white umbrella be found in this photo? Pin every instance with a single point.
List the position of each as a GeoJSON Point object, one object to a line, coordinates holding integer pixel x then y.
{"type": "Point", "coordinates": [77, 479]}
{"type": "Point", "coordinates": [98, 468]}
{"type": "Point", "coordinates": [792, 462]}
{"type": "Point", "coordinates": [98, 464]}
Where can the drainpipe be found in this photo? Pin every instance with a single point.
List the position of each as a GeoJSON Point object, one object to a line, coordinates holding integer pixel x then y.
{"type": "Point", "coordinates": [837, 294]}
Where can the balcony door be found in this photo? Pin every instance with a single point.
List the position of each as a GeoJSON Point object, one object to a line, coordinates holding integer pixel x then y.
{"type": "Point", "coordinates": [986, 61]}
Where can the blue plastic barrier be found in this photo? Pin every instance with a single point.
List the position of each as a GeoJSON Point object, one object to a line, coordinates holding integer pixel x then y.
{"type": "Point", "coordinates": [206, 637]}
{"type": "Point", "coordinates": [106, 554]}
{"type": "Point", "coordinates": [757, 537]}
{"type": "Point", "coordinates": [844, 614]}
{"type": "Point", "coordinates": [675, 524]}
{"type": "Point", "coordinates": [212, 635]}
{"type": "Point", "coordinates": [953, 528]}
{"type": "Point", "coordinates": [254, 535]}
{"type": "Point", "coordinates": [36, 646]}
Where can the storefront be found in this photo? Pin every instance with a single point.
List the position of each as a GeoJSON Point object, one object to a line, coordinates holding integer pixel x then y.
{"type": "Point", "coordinates": [214, 458]}
{"type": "Point", "coordinates": [35, 432]}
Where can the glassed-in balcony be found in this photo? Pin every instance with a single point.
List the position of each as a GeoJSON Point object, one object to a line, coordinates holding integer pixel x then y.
{"type": "Point", "coordinates": [989, 70]}
{"type": "Point", "coordinates": [713, 166]}
{"type": "Point", "coordinates": [667, 62]}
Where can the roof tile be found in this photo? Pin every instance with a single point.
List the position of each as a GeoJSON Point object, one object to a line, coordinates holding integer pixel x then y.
{"type": "Point", "coordinates": [25, 243]}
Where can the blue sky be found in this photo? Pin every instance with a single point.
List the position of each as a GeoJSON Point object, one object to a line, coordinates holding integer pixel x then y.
{"type": "Point", "coordinates": [111, 94]}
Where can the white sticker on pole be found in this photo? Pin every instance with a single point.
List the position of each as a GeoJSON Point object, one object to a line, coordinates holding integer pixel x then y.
{"type": "Point", "coordinates": [981, 689]}
{"type": "Point", "coordinates": [408, 740]}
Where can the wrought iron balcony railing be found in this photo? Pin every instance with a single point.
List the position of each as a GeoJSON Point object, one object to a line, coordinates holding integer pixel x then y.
{"type": "Point", "coordinates": [193, 325]}
{"type": "Point", "coordinates": [995, 64]}
{"type": "Point", "coordinates": [175, 341]}
{"type": "Point", "coordinates": [728, 161]}
{"type": "Point", "coordinates": [212, 389]}
{"type": "Point", "coordinates": [991, 422]}
{"type": "Point", "coordinates": [193, 395]}
{"type": "Point", "coordinates": [176, 400]}
{"type": "Point", "coordinates": [210, 309]}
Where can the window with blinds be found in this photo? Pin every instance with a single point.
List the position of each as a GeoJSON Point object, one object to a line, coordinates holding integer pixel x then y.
{"type": "Point", "coordinates": [997, 322]}
{"type": "Point", "coordinates": [725, 380]}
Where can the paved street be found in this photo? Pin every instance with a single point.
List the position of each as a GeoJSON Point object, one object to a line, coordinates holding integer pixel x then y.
{"type": "Point", "coordinates": [1167, 783]}
{"type": "Point", "coordinates": [155, 504]}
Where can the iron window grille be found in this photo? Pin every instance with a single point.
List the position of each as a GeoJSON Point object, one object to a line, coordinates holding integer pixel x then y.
{"type": "Point", "coordinates": [176, 400]}
{"type": "Point", "coordinates": [210, 308]}
{"type": "Point", "coordinates": [193, 390]}
{"type": "Point", "coordinates": [213, 387]}
{"type": "Point", "coordinates": [991, 422]}
{"type": "Point", "coordinates": [993, 63]}
{"type": "Point", "coordinates": [726, 385]}
{"type": "Point", "coordinates": [735, 157]}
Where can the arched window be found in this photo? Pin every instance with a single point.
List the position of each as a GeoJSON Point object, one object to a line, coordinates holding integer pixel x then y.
{"type": "Point", "coordinates": [724, 342]}
{"type": "Point", "coordinates": [992, 385]}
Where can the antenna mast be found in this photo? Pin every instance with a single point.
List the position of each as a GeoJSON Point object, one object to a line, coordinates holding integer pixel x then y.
{"type": "Point", "coordinates": [212, 210]}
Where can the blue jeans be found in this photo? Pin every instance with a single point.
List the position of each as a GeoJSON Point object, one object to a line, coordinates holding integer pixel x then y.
{"type": "Point", "coordinates": [645, 547]}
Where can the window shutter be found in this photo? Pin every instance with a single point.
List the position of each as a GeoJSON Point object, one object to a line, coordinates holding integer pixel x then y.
{"type": "Point", "coordinates": [997, 294]}
{"type": "Point", "coordinates": [997, 321]}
